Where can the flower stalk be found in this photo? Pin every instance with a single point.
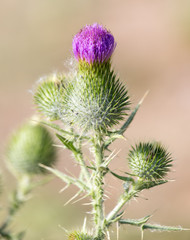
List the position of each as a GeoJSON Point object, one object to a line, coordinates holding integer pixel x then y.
{"type": "Point", "coordinates": [125, 197]}
{"type": "Point", "coordinates": [79, 158]}
{"type": "Point", "coordinates": [98, 190]}
{"type": "Point", "coordinates": [18, 198]}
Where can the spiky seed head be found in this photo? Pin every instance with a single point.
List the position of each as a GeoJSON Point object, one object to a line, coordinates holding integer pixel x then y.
{"type": "Point", "coordinates": [150, 161]}
{"type": "Point", "coordinates": [93, 44]}
{"type": "Point", "coordinates": [29, 146]}
{"type": "Point", "coordinates": [95, 99]}
{"type": "Point", "coordinates": [49, 96]}
{"type": "Point", "coordinates": [79, 236]}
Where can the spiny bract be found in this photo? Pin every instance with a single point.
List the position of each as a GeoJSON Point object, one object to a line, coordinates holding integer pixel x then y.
{"type": "Point", "coordinates": [95, 99]}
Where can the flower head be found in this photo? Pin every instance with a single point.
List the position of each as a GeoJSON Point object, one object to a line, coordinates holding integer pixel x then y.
{"type": "Point", "coordinates": [150, 161]}
{"type": "Point", "coordinates": [93, 44]}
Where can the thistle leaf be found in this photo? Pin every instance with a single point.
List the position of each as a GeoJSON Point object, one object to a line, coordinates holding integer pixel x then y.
{"type": "Point", "coordinates": [127, 179]}
{"type": "Point", "coordinates": [156, 227]}
{"type": "Point", "coordinates": [135, 222]}
{"type": "Point", "coordinates": [152, 227]}
{"type": "Point", "coordinates": [132, 115]}
{"type": "Point", "coordinates": [112, 136]}
{"type": "Point", "coordinates": [117, 217]}
{"type": "Point", "coordinates": [65, 178]}
{"type": "Point", "coordinates": [68, 144]}
{"type": "Point", "coordinates": [63, 132]}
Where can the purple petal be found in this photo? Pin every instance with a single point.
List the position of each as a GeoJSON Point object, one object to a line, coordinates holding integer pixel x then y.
{"type": "Point", "coordinates": [93, 44]}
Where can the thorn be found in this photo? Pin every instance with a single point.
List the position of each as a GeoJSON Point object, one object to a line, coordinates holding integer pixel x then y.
{"type": "Point", "coordinates": [72, 198]}
{"type": "Point", "coordinates": [108, 235]}
{"type": "Point", "coordinates": [106, 197]}
{"type": "Point", "coordinates": [142, 234]}
{"type": "Point", "coordinates": [59, 146]}
{"type": "Point", "coordinates": [63, 229]}
{"type": "Point", "coordinates": [142, 197]}
{"type": "Point", "coordinates": [69, 172]}
{"type": "Point", "coordinates": [110, 157]}
{"type": "Point", "coordinates": [143, 98]}
{"type": "Point", "coordinates": [43, 166]}
{"type": "Point", "coordinates": [117, 224]}
{"type": "Point", "coordinates": [84, 225]}
{"type": "Point", "coordinates": [89, 213]}
{"type": "Point", "coordinates": [64, 188]}
{"type": "Point", "coordinates": [87, 204]}
{"type": "Point", "coordinates": [80, 198]}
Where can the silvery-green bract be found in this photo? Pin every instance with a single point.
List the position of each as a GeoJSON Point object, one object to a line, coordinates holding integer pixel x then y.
{"type": "Point", "coordinates": [95, 99]}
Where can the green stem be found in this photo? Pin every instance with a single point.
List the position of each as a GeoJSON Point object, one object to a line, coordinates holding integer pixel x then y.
{"type": "Point", "coordinates": [5, 235]}
{"type": "Point", "coordinates": [18, 199]}
{"type": "Point", "coordinates": [123, 200]}
{"type": "Point", "coordinates": [98, 193]}
{"type": "Point", "coordinates": [80, 160]}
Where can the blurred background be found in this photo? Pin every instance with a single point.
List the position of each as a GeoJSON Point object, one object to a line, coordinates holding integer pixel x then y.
{"type": "Point", "coordinates": [152, 53]}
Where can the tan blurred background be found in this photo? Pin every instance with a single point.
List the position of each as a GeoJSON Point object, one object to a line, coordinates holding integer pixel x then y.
{"type": "Point", "coordinates": [152, 53]}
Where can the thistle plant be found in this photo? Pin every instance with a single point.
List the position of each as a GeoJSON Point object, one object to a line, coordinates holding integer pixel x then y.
{"type": "Point", "coordinates": [92, 106]}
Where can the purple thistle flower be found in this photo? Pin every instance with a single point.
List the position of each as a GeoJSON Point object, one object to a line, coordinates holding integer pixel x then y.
{"type": "Point", "coordinates": [93, 44]}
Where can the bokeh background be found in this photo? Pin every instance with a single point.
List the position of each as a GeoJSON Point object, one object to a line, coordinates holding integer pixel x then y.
{"type": "Point", "coordinates": [152, 53]}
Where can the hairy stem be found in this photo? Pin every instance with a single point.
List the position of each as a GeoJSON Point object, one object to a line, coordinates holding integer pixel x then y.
{"type": "Point", "coordinates": [98, 193]}
{"type": "Point", "coordinates": [126, 196]}
{"type": "Point", "coordinates": [19, 197]}
{"type": "Point", "coordinates": [84, 169]}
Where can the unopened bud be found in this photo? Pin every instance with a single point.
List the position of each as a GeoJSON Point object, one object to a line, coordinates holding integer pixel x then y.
{"type": "Point", "coordinates": [30, 146]}
{"type": "Point", "coordinates": [150, 162]}
{"type": "Point", "coordinates": [49, 96]}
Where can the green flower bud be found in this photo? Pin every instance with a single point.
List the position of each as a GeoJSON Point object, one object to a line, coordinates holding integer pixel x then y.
{"type": "Point", "coordinates": [150, 162]}
{"type": "Point", "coordinates": [29, 146]}
{"type": "Point", "coordinates": [79, 236]}
{"type": "Point", "coordinates": [49, 96]}
{"type": "Point", "coordinates": [95, 99]}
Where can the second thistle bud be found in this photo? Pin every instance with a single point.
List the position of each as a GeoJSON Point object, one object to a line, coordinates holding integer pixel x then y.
{"type": "Point", "coordinates": [29, 146]}
{"type": "Point", "coordinates": [49, 96]}
{"type": "Point", "coordinates": [150, 162]}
